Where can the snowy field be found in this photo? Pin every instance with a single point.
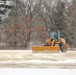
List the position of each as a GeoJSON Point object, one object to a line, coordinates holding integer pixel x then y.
{"type": "Point", "coordinates": [37, 71]}
{"type": "Point", "coordinates": [28, 59]}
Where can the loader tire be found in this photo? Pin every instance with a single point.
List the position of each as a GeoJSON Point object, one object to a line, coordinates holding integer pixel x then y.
{"type": "Point", "coordinates": [62, 47]}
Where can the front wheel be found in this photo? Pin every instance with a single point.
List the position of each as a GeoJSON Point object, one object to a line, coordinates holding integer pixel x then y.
{"type": "Point", "coordinates": [63, 47]}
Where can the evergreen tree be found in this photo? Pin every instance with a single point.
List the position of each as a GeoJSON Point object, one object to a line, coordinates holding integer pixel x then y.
{"type": "Point", "coordinates": [5, 6]}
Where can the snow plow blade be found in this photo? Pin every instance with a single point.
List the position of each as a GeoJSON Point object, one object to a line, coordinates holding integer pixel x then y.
{"type": "Point", "coordinates": [48, 48]}
{"type": "Point", "coordinates": [45, 48]}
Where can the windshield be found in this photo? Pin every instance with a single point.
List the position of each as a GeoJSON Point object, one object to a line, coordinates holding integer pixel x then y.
{"type": "Point", "coordinates": [55, 35]}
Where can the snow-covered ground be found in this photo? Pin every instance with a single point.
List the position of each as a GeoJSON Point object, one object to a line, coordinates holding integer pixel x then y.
{"type": "Point", "coordinates": [28, 59]}
{"type": "Point", "coordinates": [24, 71]}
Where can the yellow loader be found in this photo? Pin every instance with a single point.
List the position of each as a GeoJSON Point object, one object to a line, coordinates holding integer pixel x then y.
{"type": "Point", "coordinates": [54, 43]}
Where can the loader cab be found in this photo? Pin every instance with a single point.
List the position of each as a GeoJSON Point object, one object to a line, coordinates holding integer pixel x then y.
{"type": "Point", "coordinates": [55, 35]}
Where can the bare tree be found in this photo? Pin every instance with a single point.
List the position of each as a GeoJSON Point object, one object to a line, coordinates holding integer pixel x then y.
{"type": "Point", "coordinates": [21, 19]}
{"type": "Point", "coordinates": [55, 16]}
{"type": "Point", "coordinates": [72, 22]}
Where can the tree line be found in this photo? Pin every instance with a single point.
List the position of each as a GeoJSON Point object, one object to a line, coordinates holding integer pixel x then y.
{"type": "Point", "coordinates": [33, 20]}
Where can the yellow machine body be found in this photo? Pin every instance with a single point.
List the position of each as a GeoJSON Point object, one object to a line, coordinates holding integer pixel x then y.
{"type": "Point", "coordinates": [52, 44]}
